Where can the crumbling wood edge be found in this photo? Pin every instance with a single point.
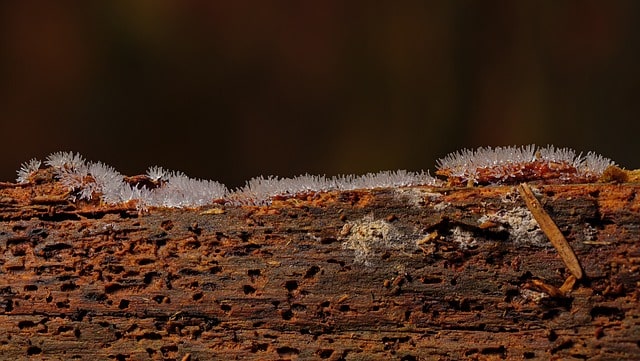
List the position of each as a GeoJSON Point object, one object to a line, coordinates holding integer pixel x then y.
{"type": "Point", "coordinates": [409, 273]}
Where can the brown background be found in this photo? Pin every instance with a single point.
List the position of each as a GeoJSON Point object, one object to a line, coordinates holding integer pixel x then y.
{"type": "Point", "coordinates": [229, 90]}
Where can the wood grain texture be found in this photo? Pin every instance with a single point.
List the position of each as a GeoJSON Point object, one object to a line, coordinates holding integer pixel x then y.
{"type": "Point", "coordinates": [409, 274]}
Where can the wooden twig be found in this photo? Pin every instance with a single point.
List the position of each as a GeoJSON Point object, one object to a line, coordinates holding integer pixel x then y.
{"type": "Point", "coordinates": [551, 231]}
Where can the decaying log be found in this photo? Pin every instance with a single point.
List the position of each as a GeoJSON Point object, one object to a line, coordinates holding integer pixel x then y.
{"type": "Point", "coordinates": [411, 273]}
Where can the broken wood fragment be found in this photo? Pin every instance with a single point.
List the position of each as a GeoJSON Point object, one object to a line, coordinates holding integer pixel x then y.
{"type": "Point", "coordinates": [568, 284]}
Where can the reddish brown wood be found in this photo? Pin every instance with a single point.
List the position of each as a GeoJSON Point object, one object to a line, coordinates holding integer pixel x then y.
{"type": "Point", "coordinates": [408, 274]}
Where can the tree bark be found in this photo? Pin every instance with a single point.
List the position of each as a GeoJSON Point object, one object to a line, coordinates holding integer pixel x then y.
{"type": "Point", "coordinates": [411, 273]}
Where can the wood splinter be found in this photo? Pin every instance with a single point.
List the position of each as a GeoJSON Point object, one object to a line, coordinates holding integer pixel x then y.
{"type": "Point", "coordinates": [551, 231]}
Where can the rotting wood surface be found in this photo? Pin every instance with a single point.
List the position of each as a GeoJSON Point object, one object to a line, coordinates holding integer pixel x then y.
{"type": "Point", "coordinates": [409, 274]}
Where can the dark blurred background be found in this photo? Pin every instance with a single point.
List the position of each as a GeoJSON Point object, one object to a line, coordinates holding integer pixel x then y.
{"type": "Point", "coordinates": [228, 90]}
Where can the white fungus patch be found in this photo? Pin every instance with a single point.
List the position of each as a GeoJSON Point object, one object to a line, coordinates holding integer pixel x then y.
{"type": "Point", "coordinates": [416, 197]}
{"type": "Point", "coordinates": [528, 295]}
{"type": "Point", "coordinates": [464, 239]}
{"type": "Point", "coordinates": [513, 195]}
{"type": "Point", "coordinates": [367, 235]}
{"type": "Point", "coordinates": [590, 233]}
{"type": "Point", "coordinates": [523, 229]}
{"type": "Point", "coordinates": [441, 206]}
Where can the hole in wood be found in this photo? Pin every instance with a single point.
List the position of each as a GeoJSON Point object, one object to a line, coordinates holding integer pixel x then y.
{"type": "Point", "coordinates": [287, 315]}
{"type": "Point", "coordinates": [25, 324]}
{"type": "Point", "coordinates": [529, 355]}
{"type": "Point", "coordinates": [312, 271]}
{"type": "Point", "coordinates": [612, 313]}
{"type": "Point", "coordinates": [287, 351]}
{"type": "Point", "coordinates": [33, 350]}
{"type": "Point", "coordinates": [253, 273]}
{"type": "Point", "coordinates": [123, 304]}
{"type": "Point", "coordinates": [325, 353]}
{"type": "Point", "coordinates": [145, 261]}
{"type": "Point", "coordinates": [167, 225]}
{"type": "Point", "coordinates": [65, 287]}
{"type": "Point", "coordinates": [291, 285]}
{"type": "Point", "coordinates": [259, 347]}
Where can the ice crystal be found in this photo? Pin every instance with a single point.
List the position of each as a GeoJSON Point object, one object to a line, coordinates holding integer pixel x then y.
{"type": "Point", "coordinates": [517, 164]}
{"type": "Point", "coordinates": [595, 164]}
{"type": "Point", "coordinates": [158, 173]}
{"type": "Point", "coordinates": [106, 181]}
{"type": "Point", "coordinates": [74, 179]}
{"type": "Point", "coordinates": [260, 190]}
{"type": "Point", "coordinates": [465, 163]}
{"type": "Point", "coordinates": [71, 169]}
{"type": "Point", "coordinates": [182, 191]}
{"type": "Point", "coordinates": [559, 155]}
{"type": "Point", "coordinates": [88, 180]}
{"type": "Point", "coordinates": [60, 160]}
{"type": "Point", "coordinates": [27, 169]}
{"type": "Point", "coordinates": [386, 179]}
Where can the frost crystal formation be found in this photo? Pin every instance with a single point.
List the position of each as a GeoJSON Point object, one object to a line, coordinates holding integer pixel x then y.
{"type": "Point", "coordinates": [86, 180]}
{"type": "Point", "coordinates": [505, 165]}
{"type": "Point", "coordinates": [91, 180]}
{"type": "Point", "coordinates": [260, 190]}
{"type": "Point", "coordinates": [163, 188]}
{"type": "Point", "coordinates": [27, 170]}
